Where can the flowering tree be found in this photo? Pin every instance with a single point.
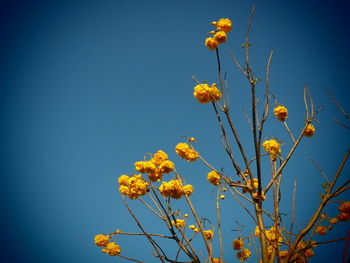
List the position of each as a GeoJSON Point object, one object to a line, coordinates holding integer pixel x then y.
{"type": "Point", "coordinates": [274, 240]}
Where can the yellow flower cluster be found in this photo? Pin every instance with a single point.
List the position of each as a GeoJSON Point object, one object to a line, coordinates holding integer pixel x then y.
{"type": "Point", "coordinates": [305, 252]}
{"type": "Point", "coordinates": [110, 248]}
{"type": "Point", "coordinates": [213, 178]}
{"type": "Point", "coordinates": [204, 93]}
{"type": "Point", "coordinates": [156, 167]}
{"type": "Point", "coordinates": [174, 190]}
{"type": "Point", "coordinates": [244, 254]}
{"type": "Point", "coordinates": [272, 147]}
{"type": "Point", "coordinates": [310, 130]}
{"type": "Point", "coordinates": [281, 113]}
{"type": "Point", "coordinates": [223, 26]}
{"type": "Point", "coordinates": [101, 240]}
{"type": "Point", "coordinates": [208, 234]}
{"type": "Point", "coordinates": [133, 186]}
{"type": "Point", "coordinates": [179, 223]}
{"type": "Point", "coordinates": [252, 184]}
{"type": "Point", "coordinates": [185, 152]}
{"type": "Point", "coordinates": [238, 244]}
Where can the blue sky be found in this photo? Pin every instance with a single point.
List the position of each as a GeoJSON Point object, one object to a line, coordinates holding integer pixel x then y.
{"type": "Point", "coordinates": [89, 87]}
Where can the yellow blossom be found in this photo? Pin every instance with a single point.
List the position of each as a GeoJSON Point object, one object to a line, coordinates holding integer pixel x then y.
{"type": "Point", "coordinates": [101, 240]}
{"type": "Point", "coordinates": [222, 197]}
{"type": "Point", "coordinates": [205, 93]}
{"type": "Point", "coordinates": [255, 196]}
{"type": "Point", "coordinates": [179, 223]}
{"type": "Point", "coordinates": [159, 157]}
{"type": "Point", "coordinates": [112, 249]}
{"type": "Point", "coordinates": [208, 234]}
{"type": "Point", "coordinates": [321, 230]}
{"type": "Point", "coordinates": [281, 113]}
{"type": "Point", "coordinates": [211, 43]}
{"type": "Point", "coordinates": [188, 189]}
{"type": "Point", "coordinates": [244, 254]}
{"type": "Point", "coordinates": [192, 227]}
{"type": "Point", "coordinates": [310, 130]}
{"type": "Point", "coordinates": [272, 147]}
{"type": "Point", "coordinates": [185, 152]}
{"type": "Point", "coordinates": [309, 253]}
{"type": "Point", "coordinates": [217, 260]}
{"type": "Point", "coordinates": [166, 167]}
{"type": "Point", "coordinates": [238, 244]}
{"type": "Point", "coordinates": [145, 167]}
{"type": "Point", "coordinates": [224, 24]}
{"type": "Point", "coordinates": [172, 189]}
{"type": "Point", "coordinates": [196, 229]}
{"type": "Point", "coordinates": [133, 186]}
{"type": "Point", "coordinates": [123, 179]}
{"type": "Point", "coordinates": [220, 37]}
{"type": "Point", "coordinates": [154, 177]}
{"type": "Point", "coordinates": [214, 178]}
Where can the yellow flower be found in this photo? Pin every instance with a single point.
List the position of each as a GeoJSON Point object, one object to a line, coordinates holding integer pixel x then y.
{"type": "Point", "coordinates": [343, 217]}
{"type": "Point", "coordinates": [166, 167]}
{"type": "Point", "coordinates": [238, 244]}
{"type": "Point", "coordinates": [208, 234]}
{"type": "Point", "coordinates": [310, 130]}
{"type": "Point", "coordinates": [214, 178]}
{"type": "Point", "coordinates": [123, 179]}
{"type": "Point", "coordinates": [222, 197]}
{"type": "Point", "coordinates": [145, 167]}
{"type": "Point", "coordinates": [101, 240]}
{"type": "Point", "coordinates": [217, 260]}
{"type": "Point", "coordinates": [244, 254]}
{"type": "Point", "coordinates": [224, 24]}
{"type": "Point", "coordinates": [211, 43]}
{"type": "Point", "coordinates": [321, 230]}
{"type": "Point", "coordinates": [192, 227]}
{"type": "Point", "coordinates": [272, 147]}
{"type": "Point", "coordinates": [309, 253]}
{"type": "Point", "coordinates": [112, 249]}
{"type": "Point", "coordinates": [204, 93]}
{"type": "Point", "coordinates": [159, 157]}
{"type": "Point", "coordinates": [155, 177]}
{"type": "Point", "coordinates": [188, 189]}
{"type": "Point", "coordinates": [196, 229]}
{"type": "Point", "coordinates": [133, 186]}
{"type": "Point", "coordinates": [281, 113]}
{"type": "Point", "coordinates": [220, 37]}
{"type": "Point", "coordinates": [185, 215]}
{"type": "Point", "coordinates": [257, 231]}
{"type": "Point", "coordinates": [185, 152]}
{"type": "Point", "coordinates": [179, 223]}
{"type": "Point", "coordinates": [172, 189]}
{"type": "Point", "coordinates": [263, 196]}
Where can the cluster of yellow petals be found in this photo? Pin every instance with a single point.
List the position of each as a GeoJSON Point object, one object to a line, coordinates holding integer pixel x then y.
{"type": "Point", "coordinates": [205, 93]}
{"type": "Point", "coordinates": [179, 223]}
{"type": "Point", "coordinates": [273, 148]}
{"type": "Point", "coordinates": [208, 234]}
{"type": "Point", "coordinates": [194, 228]}
{"type": "Point", "coordinates": [244, 254]}
{"type": "Point", "coordinates": [238, 244]}
{"type": "Point", "coordinates": [281, 113]}
{"type": "Point", "coordinates": [305, 252]}
{"type": "Point", "coordinates": [214, 178]}
{"type": "Point", "coordinates": [217, 260]}
{"type": "Point", "coordinates": [101, 240]}
{"type": "Point", "coordinates": [223, 26]}
{"type": "Point", "coordinates": [156, 167]}
{"type": "Point", "coordinates": [112, 249]}
{"type": "Point", "coordinates": [310, 130]}
{"type": "Point", "coordinates": [133, 186]}
{"type": "Point", "coordinates": [185, 152]}
{"type": "Point", "coordinates": [252, 184]}
{"type": "Point", "coordinates": [174, 190]}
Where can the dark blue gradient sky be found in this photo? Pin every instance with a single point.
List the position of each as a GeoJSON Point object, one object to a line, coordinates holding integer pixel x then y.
{"type": "Point", "coordinates": [88, 87]}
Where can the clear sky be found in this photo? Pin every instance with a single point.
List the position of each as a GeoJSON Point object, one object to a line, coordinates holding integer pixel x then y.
{"type": "Point", "coordinates": [89, 87]}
